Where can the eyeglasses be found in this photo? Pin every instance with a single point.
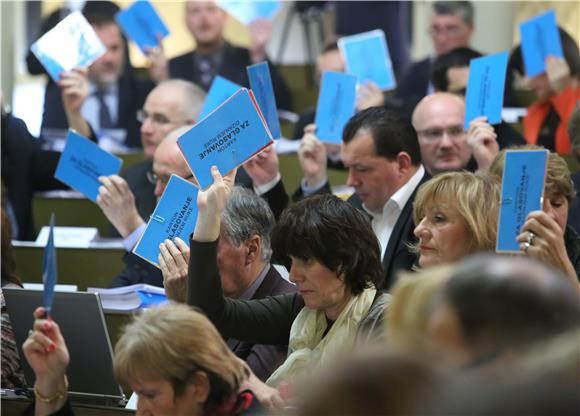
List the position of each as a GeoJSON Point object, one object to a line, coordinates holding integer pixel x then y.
{"type": "Point", "coordinates": [154, 179]}
{"type": "Point", "coordinates": [158, 119]}
{"type": "Point", "coordinates": [444, 30]}
{"type": "Point", "coordinates": [435, 134]}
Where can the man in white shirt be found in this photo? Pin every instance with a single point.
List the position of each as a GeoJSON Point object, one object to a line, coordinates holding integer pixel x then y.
{"type": "Point", "coordinates": [382, 154]}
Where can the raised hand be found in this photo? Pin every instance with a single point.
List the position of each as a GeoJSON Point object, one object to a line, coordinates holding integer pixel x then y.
{"type": "Point", "coordinates": [482, 139]}
{"type": "Point", "coordinates": [263, 167]}
{"type": "Point", "coordinates": [312, 157]}
{"type": "Point", "coordinates": [174, 261]}
{"type": "Point", "coordinates": [118, 204]}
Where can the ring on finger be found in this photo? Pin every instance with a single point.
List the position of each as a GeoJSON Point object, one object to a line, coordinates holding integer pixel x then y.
{"type": "Point", "coordinates": [531, 238]}
{"type": "Point", "coordinates": [30, 332]}
{"type": "Point", "coordinates": [526, 246]}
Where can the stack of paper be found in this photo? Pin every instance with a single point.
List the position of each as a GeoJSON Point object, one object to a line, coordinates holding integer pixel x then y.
{"type": "Point", "coordinates": [129, 298]}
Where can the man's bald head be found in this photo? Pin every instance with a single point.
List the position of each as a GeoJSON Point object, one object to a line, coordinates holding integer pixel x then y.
{"type": "Point", "coordinates": [168, 159]}
{"type": "Point", "coordinates": [173, 103]}
{"type": "Point", "coordinates": [438, 120]}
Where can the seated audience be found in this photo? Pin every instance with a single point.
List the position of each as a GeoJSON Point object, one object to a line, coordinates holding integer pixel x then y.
{"type": "Point", "coordinates": [557, 91]}
{"type": "Point", "coordinates": [114, 95]}
{"type": "Point", "coordinates": [450, 73]}
{"type": "Point", "coordinates": [213, 55]}
{"type": "Point", "coordinates": [495, 308]}
{"type": "Point", "coordinates": [451, 26]}
{"type": "Point", "coordinates": [171, 356]}
{"type": "Point", "coordinates": [170, 105]}
{"type": "Point", "coordinates": [456, 215]}
{"type": "Point", "coordinates": [12, 377]}
{"type": "Point", "coordinates": [382, 155]}
{"type": "Point", "coordinates": [545, 235]}
{"type": "Point", "coordinates": [445, 145]}
{"type": "Point", "coordinates": [243, 261]}
{"type": "Point", "coordinates": [334, 261]}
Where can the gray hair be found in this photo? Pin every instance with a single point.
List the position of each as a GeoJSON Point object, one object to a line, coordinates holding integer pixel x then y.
{"type": "Point", "coordinates": [246, 214]}
{"type": "Point", "coordinates": [194, 96]}
{"type": "Point", "coordinates": [462, 9]}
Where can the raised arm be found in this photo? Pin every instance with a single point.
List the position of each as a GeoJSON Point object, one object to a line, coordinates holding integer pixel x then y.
{"type": "Point", "coordinates": [264, 321]}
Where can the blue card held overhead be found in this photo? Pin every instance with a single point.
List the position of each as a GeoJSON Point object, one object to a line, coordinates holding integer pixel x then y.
{"type": "Point", "coordinates": [221, 89]}
{"type": "Point", "coordinates": [230, 135]}
{"type": "Point", "coordinates": [81, 164]}
{"type": "Point", "coordinates": [261, 84]}
{"type": "Point", "coordinates": [336, 104]}
{"type": "Point", "coordinates": [174, 216]}
{"type": "Point", "coordinates": [49, 269]}
{"type": "Point", "coordinates": [71, 43]}
{"type": "Point", "coordinates": [540, 39]}
{"type": "Point", "coordinates": [485, 88]}
{"type": "Point", "coordinates": [246, 11]}
{"type": "Point", "coordinates": [524, 172]}
{"type": "Point", "coordinates": [142, 25]}
{"type": "Point", "coordinates": [367, 56]}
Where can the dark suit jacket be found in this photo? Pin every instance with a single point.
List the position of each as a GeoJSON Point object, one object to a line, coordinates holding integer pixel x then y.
{"type": "Point", "coordinates": [132, 94]}
{"type": "Point", "coordinates": [415, 81]}
{"type": "Point", "coordinates": [397, 254]}
{"type": "Point", "coordinates": [233, 67]}
{"type": "Point", "coordinates": [264, 359]}
{"type": "Point", "coordinates": [574, 210]}
{"type": "Point", "coordinates": [26, 168]}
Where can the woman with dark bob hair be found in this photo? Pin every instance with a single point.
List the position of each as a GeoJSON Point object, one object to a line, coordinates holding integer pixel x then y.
{"type": "Point", "coordinates": [334, 261]}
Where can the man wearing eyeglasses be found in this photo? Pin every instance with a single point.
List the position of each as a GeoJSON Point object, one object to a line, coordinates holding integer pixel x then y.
{"type": "Point", "coordinates": [451, 27]}
{"type": "Point", "coordinates": [445, 145]}
{"type": "Point", "coordinates": [172, 104]}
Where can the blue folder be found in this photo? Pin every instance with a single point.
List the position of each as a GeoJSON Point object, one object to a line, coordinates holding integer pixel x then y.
{"type": "Point", "coordinates": [81, 164]}
{"type": "Point", "coordinates": [174, 216]}
{"type": "Point", "coordinates": [221, 89]}
{"type": "Point", "coordinates": [142, 24]}
{"type": "Point", "coordinates": [540, 39]}
{"type": "Point", "coordinates": [230, 135]}
{"type": "Point", "coordinates": [71, 43]}
{"type": "Point", "coordinates": [367, 56]}
{"type": "Point", "coordinates": [246, 11]}
{"type": "Point", "coordinates": [261, 84]}
{"type": "Point", "coordinates": [522, 188]}
{"type": "Point", "coordinates": [485, 88]}
{"type": "Point", "coordinates": [336, 104]}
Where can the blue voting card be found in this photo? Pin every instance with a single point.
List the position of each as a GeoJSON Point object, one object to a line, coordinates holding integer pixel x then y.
{"type": "Point", "coordinates": [540, 39]}
{"type": "Point", "coordinates": [71, 43]}
{"type": "Point", "coordinates": [49, 269]}
{"type": "Point", "coordinates": [174, 216]}
{"type": "Point", "coordinates": [81, 164]}
{"type": "Point", "coordinates": [367, 56]}
{"type": "Point", "coordinates": [221, 89]}
{"type": "Point", "coordinates": [142, 25]}
{"type": "Point", "coordinates": [336, 103]}
{"type": "Point", "coordinates": [230, 135]}
{"type": "Point", "coordinates": [246, 11]}
{"type": "Point", "coordinates": [522, 188]}
{"type": "Point", "coordinates": [261, 84]}
{"type": "Point", "coordinates": [485, 88]}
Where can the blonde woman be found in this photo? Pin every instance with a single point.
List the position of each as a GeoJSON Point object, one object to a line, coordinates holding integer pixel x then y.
{"type": "Point", "coordinates": [171, 356]}
{"type": "Point", "coordinates": [456, 215]}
